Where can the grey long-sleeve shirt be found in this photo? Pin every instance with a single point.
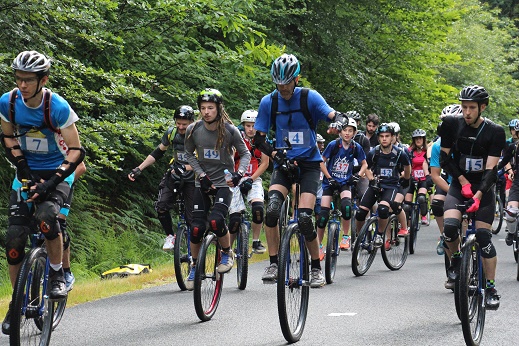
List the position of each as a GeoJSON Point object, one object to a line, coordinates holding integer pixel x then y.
{"type": "Point", "coordinates": [213, 162]}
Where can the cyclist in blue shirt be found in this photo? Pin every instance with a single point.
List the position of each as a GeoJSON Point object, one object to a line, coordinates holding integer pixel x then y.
{"type": "Point", "coordinates": [45, 151]}
{"type": "Point", "coordinates": [290, 122]}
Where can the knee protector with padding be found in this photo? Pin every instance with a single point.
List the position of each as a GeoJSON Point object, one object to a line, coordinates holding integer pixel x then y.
{"type": "Point", "coordinates": [217, 219]}
{"type": "Point", "coordinates": [198, 226]}
{"type": "Point", "coordinates": [437, 207]}
{"type": "Point", "coordinates": [484, 239]}
{"type": "Point", "coordinates": [361, 214]}
{"type": "Point", "coordinates": [383, 211]}
{"type": "Point", "coordinates": [422, 201]}
{"type": "Point", "coordinates": [257, 212]}
{"type": "Point", "coordinates": [323, 217]}
{"type": "Point", "coordinates": [346, 208]}
{"type": "Point", "coordinates": [407, 208]}
{"type": "Point", "coordinates": [47, 216]}
{"type": "Point", "coordinates": [451, 229]}
{"type": "Point", "coordinates": [15, 240]}
{"type": "Point", "coordinates": [306, 224]}
{"type": "Point", "coordinates": [273, 208]}
{"type": "Point", "coordinates": [234, 222]}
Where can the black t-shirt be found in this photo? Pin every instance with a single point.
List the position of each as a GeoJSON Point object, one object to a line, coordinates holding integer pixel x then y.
{"type": "Point", "coordinates": [363, 141]}
{"type": "Point", "coordinates": [472, 146]}
{"type": "Point", "coordinates": [387, 166]}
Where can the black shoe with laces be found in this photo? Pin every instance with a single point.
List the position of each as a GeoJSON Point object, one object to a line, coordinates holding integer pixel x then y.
{"type": "Point", "coordinates": [58, 288]}
{"type": "Point", "coordinates": [6, 324]}
{"type": "Point", "coordinates": [509, 239]}
{"type": "Point", "coordinates": [454, 269]}
{"type": "Point", "coordinates": [491, 299]}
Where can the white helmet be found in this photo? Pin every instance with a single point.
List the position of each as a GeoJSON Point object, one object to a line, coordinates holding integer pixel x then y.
{"type": "Point", "coordinates": [249, 116]}
{"type": "Point", "coordinates": [395, 126]}
{"type": "Point", "coordinates": [320, 139]}
{"type": "Point", "coordinates": [351, 122]}
{"type": "Point", "coordinates": [453, 109]}
{"type": "Point", "coordinates": [31, 61]}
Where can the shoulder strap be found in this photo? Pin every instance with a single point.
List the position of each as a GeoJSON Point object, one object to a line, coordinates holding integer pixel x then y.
{"type": "Point", "coordinates": [47, 96]}
{"type": "Point", "coordinates": [335, 148]}
{"type": "Point", "coordinates": [376, 155]}
{"type": "Point", "coordinates": [12, 101]}
{"type": "Point", "coordinates": [303, 104]}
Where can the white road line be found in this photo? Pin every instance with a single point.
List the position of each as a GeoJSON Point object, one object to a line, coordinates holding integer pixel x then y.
{"type": "Point", "coordinates": [337, 314]}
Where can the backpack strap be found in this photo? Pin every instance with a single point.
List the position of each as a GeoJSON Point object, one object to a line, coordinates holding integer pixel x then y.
{"type": "Point", "coordinates": [304, 108]}
{"type": "Point", "coordinates": [335, 148]}
{"type": "Point", "coordinates": [303, 104]}
{"type": "Point", "coordinates": [12, 101]}
{"type": "Point", "coordinates": [47, 96]}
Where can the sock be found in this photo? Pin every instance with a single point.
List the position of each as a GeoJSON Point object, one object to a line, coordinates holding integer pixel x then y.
{"type": "Point", "coordinates": [226, 249]}
{"type": "Point", "coordinates": [315, 264]}
{"type": "Point", "coordinates": [273, 259]}
{"type": "Point", "coordinates": [56, 267]}
{"type": "Point", "coordinates": [491, 283]}
{"type": "Point", "coordinates": [66, 270]}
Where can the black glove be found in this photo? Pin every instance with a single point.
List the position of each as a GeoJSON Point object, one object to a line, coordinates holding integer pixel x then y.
{"type": "Point", "coordinates": [179, 168]}
{"type": "Point", "coordinates": [43, 189]}
{"type": "Point", "coordinates": [205, 183]}
{"type": "Point", "coordinates": [333, 183]}
{"type": "Point", "coordinates": [354, 179]}
{"type": "Point", "coordinates": [429, 182]}
{"type": "Point", "coordinates": [405, 182]}
{"type": "Point", "coordinates": [236, 177]}
{"type": "Point", "coordinates": [374, 184]}
{"type": "Point", "coordinates": [279, 158]}
{"type": "Point", "coordinates": [340, 118]}
{"type": "Point", "coordinates": [246, 186]}
{"type": "Point", "coordinates": [135, 172]}
{"type": "Point", "coordinates": [22, 169]}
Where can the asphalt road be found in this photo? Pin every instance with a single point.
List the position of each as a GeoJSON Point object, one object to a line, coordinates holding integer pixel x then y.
{"type": "Point", "coordinates": [405, 307]}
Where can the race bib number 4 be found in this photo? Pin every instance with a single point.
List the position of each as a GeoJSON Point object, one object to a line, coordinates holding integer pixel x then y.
{"type": "Point", "coordinates": [296, 138]}
{"type": "Point", "coordinates": [211, 154]}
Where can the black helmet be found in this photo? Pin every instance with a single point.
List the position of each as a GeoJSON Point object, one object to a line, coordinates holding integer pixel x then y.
{"type": "Point", "coordinates": [385, 127]}
{"type": "Point", "coordinates": [210, 95]}
{"type": "Point", "coordinates": [474, 93]}
{"type": "Point", "coordinates": [353, 114]}
{"type": "Point", "coordinates": [184, 112]}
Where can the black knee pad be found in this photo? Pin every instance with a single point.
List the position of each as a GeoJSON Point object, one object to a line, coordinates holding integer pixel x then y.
{"type": "Point", "coordinates": [397, 207]}
{"type": "Point", "coordinates": [306, 224]}
{"type": "Point", "coordinates": [273, 208]}
{"type": "Point", "coordinates": [198, 226]}
{"type": "Point", "coordinates": [346, 208]}
{"type": "Point", "coordinates": [437, 207]}
{"type": "Point", "coordinates": [451, 229]}
{"type": "Point", "coordinates": [15, 240]}
{"type": "Point", "coordinates": [19, 213]}
{"type": "Point", "coordinates": [47, 216]}
{"type": "Point", "coordinates": [217, 219]}
{"type": "Point", "coordinates": [64, 233]}
{"type": "Point", "coordinates": [407, 208]}
{"type": "Point", "coordinates": [484, 239]}
{"type": "Point", "coordinates": [257, 212]}
{"type": "Point", "coordinates": [234, 222]}
{"type": "Point", "coordinates": [383, 211]}
{"type": "Point", "coordinates": [361, 214]}
{"type": "Point", "coordinates": [323, 217]}
{"type": "Point", "coordinates": [422, 201]}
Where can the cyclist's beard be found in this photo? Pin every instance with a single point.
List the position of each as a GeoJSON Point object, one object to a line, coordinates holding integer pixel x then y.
{"type": "Point", "coordinates": [386, 146]}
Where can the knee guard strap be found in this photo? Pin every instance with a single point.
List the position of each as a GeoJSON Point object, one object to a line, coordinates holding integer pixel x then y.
{"type": "Point", "coordinates": [257, 212]}
{"type": "Point", "coordinates": [346, 208]}
{"type": "Point", "coordinates": [306, 225]}
{"type": "Point", "coordinates": [273, 208]}
{"type": "Point", "coordinates": [450, 229]}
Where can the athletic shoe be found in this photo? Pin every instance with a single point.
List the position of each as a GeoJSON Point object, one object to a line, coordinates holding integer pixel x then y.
{"type": "Point", "coordinates": [387, 245]}
{"type": "Point", "coordinates": [321, 252]}
{"type": "Point", "coordinates": [491, 299]}
{"type": "Point", "coordinates": [169, 243]}
{"type": "Point", "coordinates": [440, 249]}
{"type": "Point", "coordinates": [257, 247]}
{"type": "Point", "coordinates": [425, 221]}
{"type": "Point", "coordinates": [271, 273]}
{"type": "Point", "coordinates": [454, 269]}
{"type": "Point", "coordinates": [226, 262]}
{"type": "Point", "coordinates": [6, 324]}
{"type": "Point", "coordinates": [317, 278]}
{"type": "Point", "coordinates": [190, 282]}
{"type": "Point", "coordinates": [378, 241]}
{"type": "Point", "coordinates": [69, 280]}
{"type": "Point", "coordinates": [345, 243]}
{"type": "Point", "coordinates": [509, 239]}
{"type": "Point", "coordinates": [58, 289]}
{"type": "Point", "coordinates": [403, 232]}
{"type": "Point", "coordinates": [449, 284]}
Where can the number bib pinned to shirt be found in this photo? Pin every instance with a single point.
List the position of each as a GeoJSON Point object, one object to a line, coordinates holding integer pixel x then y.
{"type": "Point", "coordinates": [298, 138]}
{"type": "Point", "coordinates": [472, 164]}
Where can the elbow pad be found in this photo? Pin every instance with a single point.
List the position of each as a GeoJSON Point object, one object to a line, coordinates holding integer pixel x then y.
{"type": "Point", "coordinates": [260, 141]}
{"type": "Point", "coordinates": [448, 165]}
{"type": "Point", "coordinates": [65, 172]}
{"type": "Point", "coordinates": [157, 154]}
{"type": "Point", "coordinates": [488, 180]}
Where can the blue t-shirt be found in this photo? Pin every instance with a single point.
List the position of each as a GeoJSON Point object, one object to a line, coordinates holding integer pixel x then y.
{"type": "Point", "coordinates": [435, 158]}
{"type": "Point", "coordinates": [340, 166]}
{"type": "Point", "coordinates": [42, 148]}
{"type": "Point", "coordinates": [291, 123]}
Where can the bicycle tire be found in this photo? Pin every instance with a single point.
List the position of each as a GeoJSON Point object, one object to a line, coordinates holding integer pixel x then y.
{"type": "Point", "coordinates": [59, 310]}
{"type": "Point", "coordinates": [34, 325]}
{"type": "Point", "coordinates": [284, 216]}
{"type": "Point", "coordinates": [394, 257]}
{"type": "Point", "coordinates": [332, 252]}
{"type": "Point", "coordinates": [413, 231]}
{"type": "Point", "coordinates": [353, 225]}
{"type": "Point", "coordinates": [293, 285]}
{"type": "Point", "coordinates": [364, 251]}
{"type": "Point", "coordinates": [515, 246]}
{"type": "Point", "coordinates": [208, 283]}
{"type": "Point", "coordinates": [181, 257]}
{"type": "Point", "coordinates": [472, 309]}
{"type": "Point", "coordinates": [242, 256]}
{"type": "Point", "coordinates": [498, 216]}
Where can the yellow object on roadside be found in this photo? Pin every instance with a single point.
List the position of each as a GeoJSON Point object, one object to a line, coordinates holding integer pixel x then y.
{"type": "Point", "coordinates": [126, 270]}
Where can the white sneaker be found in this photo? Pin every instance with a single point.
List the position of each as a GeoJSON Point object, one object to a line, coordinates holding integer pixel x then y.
{"type": "Point", "coordinates": [316, 278]}
{"type": "Point", "coordinates": [169, 243]}
{"type": "Point", "coordinates": [226, 262]}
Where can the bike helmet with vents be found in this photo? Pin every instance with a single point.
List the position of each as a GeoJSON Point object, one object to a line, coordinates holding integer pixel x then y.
{"type": "Point", "coordinates": [285, 69]}
{"type": "Point", "coordinates": [31, 61]}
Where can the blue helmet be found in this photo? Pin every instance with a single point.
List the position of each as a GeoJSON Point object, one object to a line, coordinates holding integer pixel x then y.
{"type": "Point", "coordinates": [285, 69]}
{"type": "Point", "coordinates": [513, 123]}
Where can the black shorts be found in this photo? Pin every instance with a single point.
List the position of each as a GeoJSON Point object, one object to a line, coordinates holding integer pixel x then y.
{"type": "Point", "coordinates": [486, 207]}
{"type": "Point", "coordinates": [309, 175]}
